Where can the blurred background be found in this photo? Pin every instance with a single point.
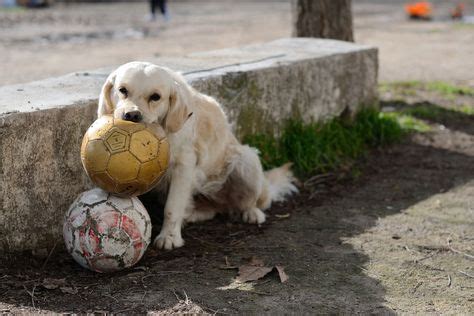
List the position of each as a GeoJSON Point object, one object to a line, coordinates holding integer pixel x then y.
{"type": "Point", "coordinates": [44, 38]}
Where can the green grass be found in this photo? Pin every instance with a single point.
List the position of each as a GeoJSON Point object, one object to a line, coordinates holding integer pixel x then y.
{"type": "Point", "coordinates": [408, 88]}
{"type": "Point", "coordinates": [463, 26]}
{"type": "Point", "coordinates": [322, 147]}
{"type": "Point", "coordinates": [447, 89]}
{"type": "Point", "coordinates": [404, 88]}
{"type": "Point", "coordinates": [12, 9]}
{"type": "Point", "coordinates": [408, 121]}
{"type": "Point", "coordinates": [466, 109]}
{"type": "Point", "coordinates": [436, 112]}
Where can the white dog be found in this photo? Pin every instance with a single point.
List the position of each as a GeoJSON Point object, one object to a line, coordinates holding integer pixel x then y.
{"type": "Point", "coordinates": [209, 170]}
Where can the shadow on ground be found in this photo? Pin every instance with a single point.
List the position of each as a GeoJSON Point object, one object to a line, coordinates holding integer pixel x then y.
{"type": "Point", "coordinates": [327, 275]}
{"type": "Point", "coordinates": [451, 118]}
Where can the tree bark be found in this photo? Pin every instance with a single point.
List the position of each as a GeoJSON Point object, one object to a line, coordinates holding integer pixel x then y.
{"type": "Point", "coordinates": [323, 19]}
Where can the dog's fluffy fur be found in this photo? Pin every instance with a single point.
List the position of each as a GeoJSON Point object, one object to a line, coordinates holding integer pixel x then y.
{"type": "Point", "coordinates": [209, 171]}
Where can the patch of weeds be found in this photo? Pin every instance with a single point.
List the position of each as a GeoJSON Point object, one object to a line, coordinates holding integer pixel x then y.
{"type": "Point", "coordinates": [409, 88]}
{"type": "Point", "coordinates": [466, 109]}
{"type": "Point", "coordinates": [322, 147]}
{"type": "Point", "coordinates": [463, 25]}
{"type": "Point", "coordinates": [408, 122]}
{"type": "Point", "coordinates": [436, 113]}
{"type": "Point", "coordinates": [447, 89]}
{"type": "Point", "coordinates": [400, 85]}
{"type": "Point", "coordinates": [12, 9]}
{"type": "Point", "coordinates": [403, 88]}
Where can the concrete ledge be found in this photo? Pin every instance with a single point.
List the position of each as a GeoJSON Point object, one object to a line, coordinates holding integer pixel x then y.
{"type": "Point", "coordinates": [42, 123]}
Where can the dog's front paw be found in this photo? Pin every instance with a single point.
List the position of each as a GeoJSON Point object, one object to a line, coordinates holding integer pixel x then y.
{"type": "Point", "coordinates": [253, 216]}
{"type": "Point", "coordinates": [168, 241]}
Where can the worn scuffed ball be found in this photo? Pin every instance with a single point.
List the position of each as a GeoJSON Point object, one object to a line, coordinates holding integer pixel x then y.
{"type": "Point", "coordinates": [106, 233]}
{"type": "Point", "coordinates": [124, 157]}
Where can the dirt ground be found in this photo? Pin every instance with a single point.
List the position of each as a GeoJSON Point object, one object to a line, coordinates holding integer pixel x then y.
{"type": "Point", "coordinates": [396, 239]}
{"type": "Point", "coordinates": [36, 44]}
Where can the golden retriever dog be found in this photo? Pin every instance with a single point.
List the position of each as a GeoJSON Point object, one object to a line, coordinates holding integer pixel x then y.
{"type": "Point", "coordinates": [209, 170]}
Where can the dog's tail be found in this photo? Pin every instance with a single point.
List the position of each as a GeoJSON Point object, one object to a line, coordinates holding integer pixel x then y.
{"type": "Point", "coordinates": [279, 185]}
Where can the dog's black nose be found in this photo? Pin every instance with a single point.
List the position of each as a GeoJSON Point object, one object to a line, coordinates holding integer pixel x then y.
{"type": "Point", "coordinates": [133, 116]}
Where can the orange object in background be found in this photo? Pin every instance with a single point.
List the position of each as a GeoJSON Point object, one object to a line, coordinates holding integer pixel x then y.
{"type": "Point", "coordinates": [419, 10]}
{"type": "Point", "coordinates": [458, 11]}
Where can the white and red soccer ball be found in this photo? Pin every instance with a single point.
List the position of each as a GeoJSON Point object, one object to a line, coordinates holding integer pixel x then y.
{"type": "Point", "coordinates": [106, 233]}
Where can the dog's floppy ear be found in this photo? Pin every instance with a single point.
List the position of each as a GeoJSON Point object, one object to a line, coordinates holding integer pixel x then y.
{"type": "Point", "coordinates": [179, 110]}
{"type": "Point", "coordinates": [105, 100]}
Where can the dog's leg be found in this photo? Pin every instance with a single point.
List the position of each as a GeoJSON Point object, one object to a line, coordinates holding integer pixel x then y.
{"type": "Point", "coordinates": [200, 215]}
{"type": "Point", "coordinates": [200, 210]}
{"type": "Point", "coordinates": [247, 184]}
{"type": "Point", "coordinates": [253, 215]}
{"type": "Point", "coordinates": [179, 199]}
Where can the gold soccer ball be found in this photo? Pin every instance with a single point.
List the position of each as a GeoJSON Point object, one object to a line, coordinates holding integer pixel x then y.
{"type": "Point", "coordinates": [123, 157]}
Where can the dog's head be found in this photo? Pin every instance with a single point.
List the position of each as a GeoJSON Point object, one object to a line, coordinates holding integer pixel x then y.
{"type": "Point", "coordinates": [144, 92]}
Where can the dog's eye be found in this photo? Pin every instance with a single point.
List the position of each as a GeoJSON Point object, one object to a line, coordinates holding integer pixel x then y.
{"type": "Point", "coordinates": [155, 97]}
{"type": "Point", "coordinates": [124, 91]}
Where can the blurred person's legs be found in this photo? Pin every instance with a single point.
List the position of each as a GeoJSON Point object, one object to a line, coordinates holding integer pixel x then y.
{"type": "Point", "coordinates": [162, 6]}
{"type": "Point", "coordinates": [152, 16]}
{"type": "Point", "coordinates": [163, 9]}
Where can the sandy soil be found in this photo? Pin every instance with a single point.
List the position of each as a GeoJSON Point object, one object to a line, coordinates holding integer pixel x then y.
{"type": "Point", "coordinates": [399, 238]}
{"type": "Point", "coordinates": [36, 44]}
{"type": "Point", "coordinates": [396, 239]}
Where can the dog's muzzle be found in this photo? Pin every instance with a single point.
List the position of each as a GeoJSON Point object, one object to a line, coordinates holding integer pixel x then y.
{"type": "Point", "coordinates": [133, 116]}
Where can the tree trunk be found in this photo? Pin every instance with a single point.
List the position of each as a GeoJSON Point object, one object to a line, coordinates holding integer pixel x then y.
{"type": "Point", "coordinates": [323, 19]}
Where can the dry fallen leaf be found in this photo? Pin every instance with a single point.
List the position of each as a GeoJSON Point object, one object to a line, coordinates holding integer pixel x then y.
{"type": "Point", "coordinates": [256, 269]}
{"type": "Point", "coordinates": [281, 272]}
{"type": "Point", "coordinates": [252, 273]}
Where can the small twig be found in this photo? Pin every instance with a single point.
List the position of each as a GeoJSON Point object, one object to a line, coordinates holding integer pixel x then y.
{"type": "Point", "coordinates": [34, 280]}
{"type": "Point", "coordinates": [187, 299]}
{"type": "Point", "coordinates": [122, 311]}
{"type": "Point", "coordinates": [467, 274]}
{"type": "Point", "coordinates": [416, 287]}
{"type": "Point", "coordinates": [434, 269]}
{"type": "Point", "coordinates": [143, 297]}
{"type": "Point", "coordinates": [318, 179]}
{"type": "Point", "coordinates": [204, 307]}
{"type": "Point", "coordinates": [261, 293]}
{"type": "Point", "coordinates": [424, 258]}
{"type": "Point", "coordinates": [49, 256]}
{"type": "Point", "coordinates": [362, 268]}
{"type": "Point", "coordinates": [108, 295]}
{"type": "Point", "coordinates": [237, 233]}
{"type": "Point", "coordinates": [459, 252]}
{"type": "Point", "coordinates": [205, 241]}
{"type": "Point", "coordinates": [315, 193]}
{"type": "Point", "coordinates": [177, 297]}
{"type": "Point", "coordinates": [432, 248]}
{"type": "Point", "coordinates": [449, 280]}
{"type": "Point", "coordinates": [259, 247]}
{"type": "Point", "coordinates": [32, 295]}
{"type": "Point", "coordinates": [227, 267]}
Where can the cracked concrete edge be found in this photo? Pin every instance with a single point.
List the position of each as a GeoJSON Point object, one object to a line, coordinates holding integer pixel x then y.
{"type": "Point", "coordinates": [261, 85]}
